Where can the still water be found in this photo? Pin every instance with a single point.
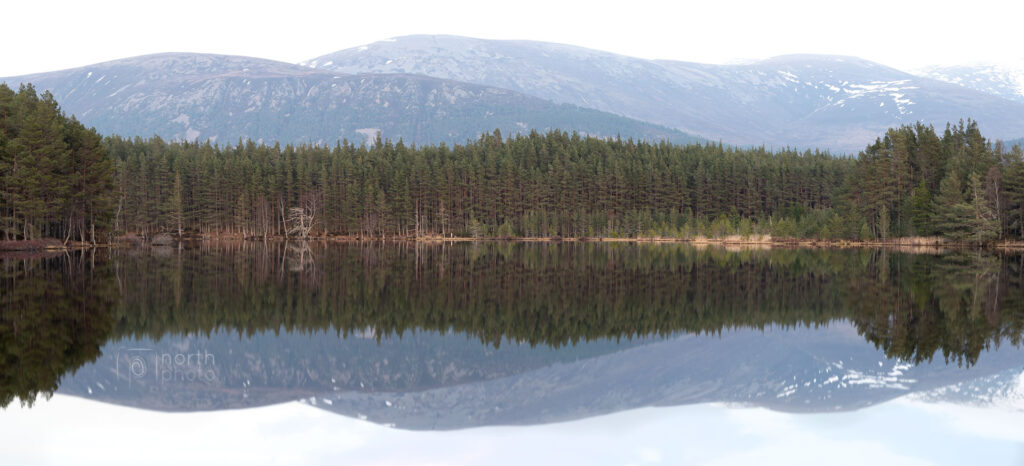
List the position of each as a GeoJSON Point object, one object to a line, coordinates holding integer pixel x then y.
{"type": "Point", "coordinates": [473, 353]}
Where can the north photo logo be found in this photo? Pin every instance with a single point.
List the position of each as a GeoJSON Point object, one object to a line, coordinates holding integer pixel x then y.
{"type": "Point", "coordinates": [149, 367]}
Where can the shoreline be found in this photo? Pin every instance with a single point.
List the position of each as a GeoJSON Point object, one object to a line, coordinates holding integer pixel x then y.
{"type": "Point", "coordinates": [919, 244]}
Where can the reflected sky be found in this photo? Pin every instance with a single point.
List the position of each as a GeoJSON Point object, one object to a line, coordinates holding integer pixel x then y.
{"type": "Point", "coordinates": [63, 430]}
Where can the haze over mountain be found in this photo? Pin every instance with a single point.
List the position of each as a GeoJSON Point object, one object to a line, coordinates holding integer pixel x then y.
{"type": "Point", "coordinates": [223, 98]}
{"type": "Point", "coordinates": [841, 103]}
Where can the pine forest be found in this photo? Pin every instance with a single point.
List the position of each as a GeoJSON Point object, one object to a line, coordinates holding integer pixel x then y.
{"type": "Point", "coordinates": [62, 180]}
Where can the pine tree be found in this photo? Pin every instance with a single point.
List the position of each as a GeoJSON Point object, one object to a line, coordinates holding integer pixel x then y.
{"type": "Point", "coordinates": [983, 223]}
{"type": "Point", "coordinates": [38, 180]}
{"type": "Point", "coordinates": [8, 118]}
{"type": "Point", "coordinates": [883, 222]}
{"type": "Point", "coordinates": [952, 216]}
{"type": "Point", "coordinates": [865, 232]}
{"type": "Point", "coordinates": [921, 210]}
{"type": "Point", "coordinates": [90, 198]}
{"type": "Point", "coordinates": [175, 207]}
{"type": "Point", "coordinates": [1013, 190]}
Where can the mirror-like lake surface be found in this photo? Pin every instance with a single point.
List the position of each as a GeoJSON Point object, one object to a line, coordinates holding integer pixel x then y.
{"type": "Point", "coordinates": [516, 352]}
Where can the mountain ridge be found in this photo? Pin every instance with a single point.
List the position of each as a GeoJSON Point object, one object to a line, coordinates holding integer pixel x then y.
{"type": "Point", "coordinates": [799, 100]}
{"type": "Point", "coordinates": [224, 98]}
{"type": "Point", "coordinates": [431, 89]}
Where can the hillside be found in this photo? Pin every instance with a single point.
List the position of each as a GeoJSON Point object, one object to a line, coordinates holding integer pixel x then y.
{"type": "Point", "coordinates": [1005, 81]}
{"type": "Point", "coordinates": [224, 98]}
{"type": "Point", "coordinates": [840, 103]}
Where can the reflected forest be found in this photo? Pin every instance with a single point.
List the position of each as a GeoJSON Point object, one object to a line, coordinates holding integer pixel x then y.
{"type": "Point", "coordinates": [59, 310]}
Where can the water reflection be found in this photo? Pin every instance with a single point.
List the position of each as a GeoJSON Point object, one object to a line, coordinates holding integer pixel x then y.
{"type": "Point", "coordinates": [449, 335]}
{"type": "Point", "coordinates": [57, 312]}
{"type": "Point", "coordinates": [910, 305]}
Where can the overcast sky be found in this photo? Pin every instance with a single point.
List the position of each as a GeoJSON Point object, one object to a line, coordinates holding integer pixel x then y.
{"type": "Point", "coordinates": [49, 35]}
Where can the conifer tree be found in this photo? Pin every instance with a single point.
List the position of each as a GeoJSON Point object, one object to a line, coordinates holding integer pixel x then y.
{"type": "Point", "coordinates": [90, 198]}
{"type": "Point", "coordinates": [1013, 190]}
{"type": "Point", "coordinates": [983, 223]}
{"type": "Point", "coordinates": [175, 206]}
{"type": "Point", "coordinates": [921, 209]}
{"type": "Point", "coordinates": [56, 178]}
{"type": "Point", "coordinates": [952, 216]}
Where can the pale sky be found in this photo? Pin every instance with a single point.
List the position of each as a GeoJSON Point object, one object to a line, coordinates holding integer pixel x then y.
{"type": "Point", "coordinates": [43, 35]}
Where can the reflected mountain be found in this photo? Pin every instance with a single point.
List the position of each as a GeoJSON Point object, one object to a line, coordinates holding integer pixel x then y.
{"type": "Point", "coordinates": [442, 336]}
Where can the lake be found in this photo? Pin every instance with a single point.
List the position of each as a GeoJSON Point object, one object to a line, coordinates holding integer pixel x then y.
{"type": "Point", "coordinates": [511, 353]}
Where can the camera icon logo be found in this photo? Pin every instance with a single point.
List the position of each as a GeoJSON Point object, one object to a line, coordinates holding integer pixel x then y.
{"type": "Point", "coordinates": [131, 364]}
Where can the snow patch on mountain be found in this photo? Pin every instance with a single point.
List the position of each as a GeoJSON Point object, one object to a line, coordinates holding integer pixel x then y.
{"type": "Point", "coordinates": [1004, 80]}
{"type": "Point", "coordinates": [881, 379]}
{"type": "Point", "coordinates": [1003, 390]}
{"type": "Point", "coordinates": [835, 378]}
{"type": "Point", "coordinates": [881, 91]}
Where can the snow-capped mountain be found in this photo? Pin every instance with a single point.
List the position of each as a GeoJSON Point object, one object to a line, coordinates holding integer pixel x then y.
{"type": "Point", "coordinates": [833, 102]}
{"type": "Point", "coordinates": [1003, 80]}
{"type": "Point", "coordinates": [224, 98]}
{"type": "Point", "coordinates": [429, 89]}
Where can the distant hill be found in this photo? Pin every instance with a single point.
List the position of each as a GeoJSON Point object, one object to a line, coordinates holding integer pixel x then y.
{"type": "Point", "coordinates": [224, 98]}
{"type": "Point", "coordinates": [833, 102]}
{"type": "Point", "coordinates": [1005, 81]}
{"type": "Point", "coordinates": [430, 89]}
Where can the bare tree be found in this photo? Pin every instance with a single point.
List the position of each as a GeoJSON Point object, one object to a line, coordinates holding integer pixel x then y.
{"type": "Point", "coordinates": [300, 222]}
{"type": "Point", "coordinates": [301, 219]}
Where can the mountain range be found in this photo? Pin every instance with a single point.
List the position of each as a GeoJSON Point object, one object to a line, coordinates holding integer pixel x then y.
{"type": "Point", "coordinates": [430, 89]}
{"type": "Point", "coordinates": [834, 102]}
{"type": "Point", "coordinates": [224, 98]}
{"type": "Point", "coordinates": [426, 380]}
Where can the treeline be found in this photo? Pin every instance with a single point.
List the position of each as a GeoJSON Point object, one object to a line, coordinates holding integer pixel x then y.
{"type": "Point", "coordinates": [911, 182]}
{"type": "Point", "coordinates": [56, 180]}
{"type": "Point", "coordinates": [529, 185]}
